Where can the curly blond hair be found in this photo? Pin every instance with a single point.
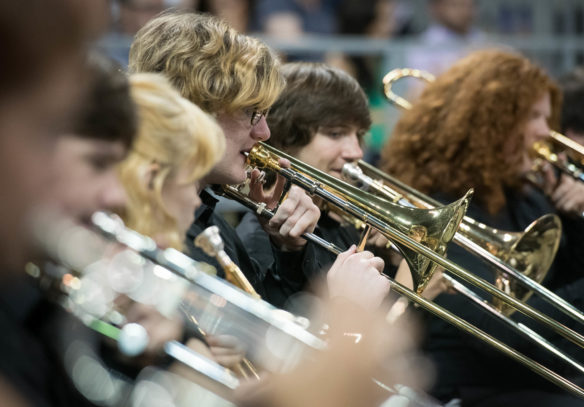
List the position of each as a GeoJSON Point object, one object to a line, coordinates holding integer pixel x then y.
{"type": "Point", "coordinates": [462, 129]}
{"type": "Point", "coordinates": [210, 63]}
{"type": "Point", "coordinates": [173, 134]}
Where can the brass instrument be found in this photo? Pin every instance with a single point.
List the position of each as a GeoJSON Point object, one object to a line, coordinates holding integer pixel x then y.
{"type": "Point", "coordinates": [211, 243]}
{"type": "Point", "coordinates": [390, 219]}
{"type": "Point", "coordinates": [526, 256]}
{"type": "Point", "coordinates": [546, 150]}
{"type": "Point", "coordinates": [550, 148]}
{"type": "Point", "coordinates": [530, 251]}
{"type": "Point", "coordinates": [372, 210]}
{"type": "Point", "coordinates": [77, 278]}
{"type": "Point", "coordinates": [430, 229]}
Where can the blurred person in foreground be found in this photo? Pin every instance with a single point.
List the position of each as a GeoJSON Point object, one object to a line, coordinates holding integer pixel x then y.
{"type": "Point", "coordinates": [43, 50]}
{"type": "Point", "coordinates": [474, 127]}
{"type": "Point", "coordinates": [43, 47]}
{"type": "Point", "coordinates": [83, 179]}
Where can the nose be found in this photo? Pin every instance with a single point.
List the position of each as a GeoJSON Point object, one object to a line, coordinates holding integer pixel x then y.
{"type": "Point", "coordinates": [261, 131]}
{"type": "Point", "coordinates": [545, 129]}
{"type": "Point", "coordinates": [112, 195]}
{"type": "Point", "coordinates": [352, 148]}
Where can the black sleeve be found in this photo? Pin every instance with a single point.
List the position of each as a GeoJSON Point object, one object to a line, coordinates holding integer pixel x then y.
{"type": "Point", "coordinates": [284, 273]}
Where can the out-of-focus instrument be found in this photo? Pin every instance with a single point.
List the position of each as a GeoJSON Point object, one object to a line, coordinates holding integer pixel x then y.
{"type": "Point", "coordinates": [547, 150]}
{"type": "Point", "coordinates": [80, 279]}
{"type": "Point", "coordinates": [394, 75]}
{"type": "Point", "coordinates": [211, 243]}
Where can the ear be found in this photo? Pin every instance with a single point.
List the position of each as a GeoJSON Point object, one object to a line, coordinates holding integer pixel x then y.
{"type": "Point", "coordinates": [151, 173]}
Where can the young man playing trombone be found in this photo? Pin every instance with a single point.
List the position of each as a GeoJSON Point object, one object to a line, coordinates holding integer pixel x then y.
{"type": "Point", "coordinates": [236, 78]}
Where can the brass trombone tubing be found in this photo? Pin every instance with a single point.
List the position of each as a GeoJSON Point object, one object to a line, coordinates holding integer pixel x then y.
{"type": "Point", "coordinates": [396, 74]}
{"type": "Point", "coordinates": [185, 267]}
{"type": "Point", "coordinates": [295, 174]}
{"type": "Point", "coordinates": [500, 346]}
{"type": "Point", "coordinates": [543, 150]}
{"type": "Point", "coordinates": [549, 296]}
{"type": "Point", "coordinates": [521, 328]}
{"type": "Point", "coordinates": [233, 193]}
{"type": "Point", "coordinates": [188, 269]}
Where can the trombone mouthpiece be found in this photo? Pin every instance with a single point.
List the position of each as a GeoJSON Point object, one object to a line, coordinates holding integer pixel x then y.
{"type": "Point", "coordinates": [209, 240]}
{"type": "Point", "coordinates": [351, 171]}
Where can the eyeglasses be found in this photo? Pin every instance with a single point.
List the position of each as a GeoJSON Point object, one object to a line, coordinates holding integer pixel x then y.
{"type": "Point", "coordinates": [256, 115]}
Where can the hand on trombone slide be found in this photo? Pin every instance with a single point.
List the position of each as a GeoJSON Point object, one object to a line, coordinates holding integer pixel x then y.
{"type": "Point", "coordinates": [296, 215]}
{"type": "Point", "coordinates": [356, 277]}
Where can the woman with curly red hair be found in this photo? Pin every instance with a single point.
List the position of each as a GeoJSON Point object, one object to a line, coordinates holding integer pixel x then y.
{"type": "Point", "coordinates": [473, 127]}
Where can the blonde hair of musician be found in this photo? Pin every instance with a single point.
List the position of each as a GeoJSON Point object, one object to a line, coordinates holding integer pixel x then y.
{"type": "Point", "coordinates": [211, 64]}
{"type": "Point", "coordinates": [173, 134]}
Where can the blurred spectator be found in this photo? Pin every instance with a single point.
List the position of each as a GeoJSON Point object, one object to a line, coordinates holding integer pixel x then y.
{"type": "Point", "coordinates": [379, 19]}
{"type": "Point", "coordinates": [572, 85]}
{"type": "Point", "coordinates": [291, 19]}
{"type": "Point", "coordinates": [128, 16]}
{"type": "Point", "coordinates": [236, 13]}
{"type": "Point", "coordinates": [451, 35]}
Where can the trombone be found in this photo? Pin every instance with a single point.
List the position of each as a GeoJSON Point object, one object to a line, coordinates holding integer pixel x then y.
{"type": "Point", "coordinates": [397, 223]}
{"type": "Point", "coordinates": [526, 256]}
{"type": "Point", "coordinates": [233, 193]}
{"type": "Point", "coordinates": [374, 211]}
{"type": "Point", "coordinates": [532, 251]}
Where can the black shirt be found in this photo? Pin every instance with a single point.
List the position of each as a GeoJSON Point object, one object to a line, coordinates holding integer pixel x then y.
{"type": "Point", "coordinates": [275, 279]}
{"type": "Point", "coordinates": [342, 235]}
{"type": "Point", "coordinates": [467, 367]}
{"type": "Point", "coordinates": [34, 331]}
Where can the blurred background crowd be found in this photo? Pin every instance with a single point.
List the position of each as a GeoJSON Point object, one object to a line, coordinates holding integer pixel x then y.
{"type": "Point", "coordinates": [370, 37]}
